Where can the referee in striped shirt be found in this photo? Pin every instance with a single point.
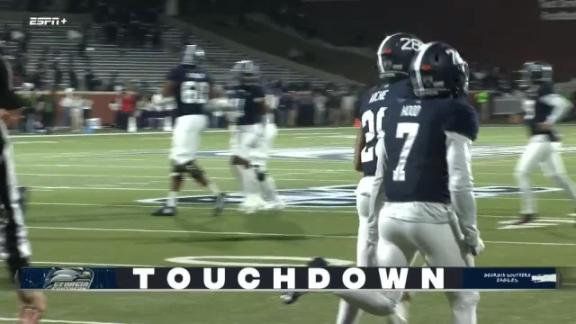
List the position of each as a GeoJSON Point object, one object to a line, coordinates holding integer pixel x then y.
{"type": "Point", "coordinates": [14, 242]}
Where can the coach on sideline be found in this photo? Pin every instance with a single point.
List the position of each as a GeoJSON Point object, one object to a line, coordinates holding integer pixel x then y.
{"type": "Point", "coordinates": [13, 236]}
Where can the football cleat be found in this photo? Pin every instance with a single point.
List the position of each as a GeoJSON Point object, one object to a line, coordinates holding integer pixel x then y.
{"type": "Point", "coordinates": [219, 204]}
{"type": "Point", "coordinates": [274, 205]}
{"type": "Point", "coordinates": [252, 204]}
{"type": "Point", "coordinates": [291, 297]}
{"type": "Point", "coordinates": [525, 219]}
{"type": "Point", "coordinates": [400, 315]}
{"type": "Point", "coordinates": [165, 211]}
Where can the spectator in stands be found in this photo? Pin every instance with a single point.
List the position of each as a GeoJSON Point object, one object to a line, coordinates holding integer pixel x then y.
{"type": "Point", "coordinates": [86, 105]}
{"type": "Point", "coordinates": [333, 106]}
{"type": "Point", "coordinates": [305, 107]}
{"type": "Point", "coordinates": [112, 81]}
{"type": "Point", "coordinates": [285, 109]}
{"type": "Point", "coordinates": [319, 107]}
{"type": "Point", "coordinates": [49, 111]}
{"type": "Point", "coordinates": [73, 78]}
{"type": "Point", "coordinates": [28, 122]}
{"type": "Point", "coordinates": [69, 104]}
{"type": "Point", "coordinates": [89, 79]}
{"type": "Point", "coordinates": [126, 109]}
{"type": "Point", "coordinates": [348, 103]}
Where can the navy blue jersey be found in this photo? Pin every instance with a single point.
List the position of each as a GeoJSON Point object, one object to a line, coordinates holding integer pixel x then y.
{"type": "Point", "coordinates": [371, 112]}
{"type": "Point", "coordinates": [192, 89]}
{"type": "Point", "coordinates": [415, 143]}
{"type": "Point", "coordinates": [540, 112]}
{"type": "Point", "coordinates": [251, 99]}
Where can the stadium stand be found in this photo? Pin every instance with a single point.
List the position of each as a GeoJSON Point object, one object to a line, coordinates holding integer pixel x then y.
{"type": "Point", "coordinates": [145, 64]}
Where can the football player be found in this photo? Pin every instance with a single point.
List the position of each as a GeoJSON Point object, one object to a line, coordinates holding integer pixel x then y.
{"type": "Point", "coordinates": [260, 157]}
{"type": "Point", "coordinates": [191, 87]}
{"type": "Point", "coordinates": [543, 109]}
{"type": "Point", "coordinates": [424, 171]}
{"type": "Point", "coordinates": [14, 242]}
{"type": "Point", "coordinates": [248, 134]}
{"type": "Point", "coordinates": [394, 56]}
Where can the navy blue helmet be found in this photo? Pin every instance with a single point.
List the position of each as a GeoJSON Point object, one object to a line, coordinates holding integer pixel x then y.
{"type": "Point", "coordinates": [395, 54]}
{"type": "Point", "coordinates": [193, 55]}
{"type": "Point", "coordinates": [536, 72]}
{"type": "Point", "coordinates": [438, 70]}
{"type": "Point", "coordinates": [246, 71]}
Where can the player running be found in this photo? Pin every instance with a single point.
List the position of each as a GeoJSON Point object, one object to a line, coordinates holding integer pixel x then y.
{"type": "Point", "coordinates": [248, 134]}
{"type": "Point", "coordinates": [543, 109]}
{"type": "Point", "coordinates": [424, 171]}
{"type": "Point", "coordinates": [191, 87]}
{"type": "Point", "coordinates": [14, 244]}
{"type": "Point", "coordinates": [394, 56]}
{"type": "Point", "coordinates": [260, 157]}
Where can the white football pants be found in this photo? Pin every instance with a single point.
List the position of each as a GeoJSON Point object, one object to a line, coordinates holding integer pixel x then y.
{"type": "Point", "coordinates": [398, 243]}
{"type": "Point", "coordinates": [540, 151]}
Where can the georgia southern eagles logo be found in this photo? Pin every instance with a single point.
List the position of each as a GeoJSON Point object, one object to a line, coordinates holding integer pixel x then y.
{"type": "Point", "coordinates": [69, 279]}
{"type": "Point", "coordinates": [331, 196]}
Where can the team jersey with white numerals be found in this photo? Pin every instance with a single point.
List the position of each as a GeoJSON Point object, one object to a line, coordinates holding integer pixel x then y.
{"type": "Point", "coordinates": [371, 114]}
{"type": "Point", "coordinates": [192, 89]}
{"type": "Point", "coordinates": [415, 145]}
{"type": "Point", "coordinates": [537, 111]}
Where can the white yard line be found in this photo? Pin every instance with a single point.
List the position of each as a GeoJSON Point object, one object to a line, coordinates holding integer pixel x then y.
{"type": "Point", "coordinates": [57, 263]}
{"type": "Point", "coordinates": [107, 188]}
{"type": "Point", "coordinates": [135, 230]}
{"type": "Point", "coordinates": [35, 142]}
{"type": "Point", "coordinates": [301, 210]}
{"type": "Point", "coordinates": [8, 319]}
{"type": "Point", "coordinates": [281, 130]}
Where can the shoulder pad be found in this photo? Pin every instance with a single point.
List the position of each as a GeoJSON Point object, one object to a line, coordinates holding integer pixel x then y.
{"type": "Point", "coordinates": [462, 119]}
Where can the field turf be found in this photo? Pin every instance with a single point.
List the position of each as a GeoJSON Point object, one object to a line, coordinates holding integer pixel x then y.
{"type": "Point", "coordinates": [84, 210]}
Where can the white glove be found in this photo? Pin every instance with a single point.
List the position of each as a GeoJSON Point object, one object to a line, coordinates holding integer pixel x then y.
{"type": "Point", "coordinates": [474, 244]}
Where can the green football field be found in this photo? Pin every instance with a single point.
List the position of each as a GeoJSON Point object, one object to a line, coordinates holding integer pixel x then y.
{"type": "Point", "coordinates": [86, 210]}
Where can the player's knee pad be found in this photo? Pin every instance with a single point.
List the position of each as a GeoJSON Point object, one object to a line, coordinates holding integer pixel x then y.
{"type": "Point", "coordinates": [236, 160]}
{"type": "Point", "coordinates": [195, 171]}
{"type": "Point", "coordinates": [260, 173]}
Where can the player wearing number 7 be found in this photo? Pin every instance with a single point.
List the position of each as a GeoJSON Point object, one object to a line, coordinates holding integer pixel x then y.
{"type": "Point", "coordinates": [424, 173]}
{"type": "Point", "coordinates": [191, 88]}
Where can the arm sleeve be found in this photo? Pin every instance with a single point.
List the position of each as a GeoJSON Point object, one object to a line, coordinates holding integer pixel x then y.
{"type": "Point", "coordinates": [378, 195]}
{"type": "Point", "coordinates": [461, 185]}
{"type": "Point", "coordinates": [561, 106]}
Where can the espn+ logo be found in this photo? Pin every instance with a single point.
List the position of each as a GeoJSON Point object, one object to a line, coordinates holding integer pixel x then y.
{"type": "Point", "coordinates": [47, 21]}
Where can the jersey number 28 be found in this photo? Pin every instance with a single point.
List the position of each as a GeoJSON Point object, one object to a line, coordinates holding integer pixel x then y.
{"type": "Point", "coordinates": [374, 130]}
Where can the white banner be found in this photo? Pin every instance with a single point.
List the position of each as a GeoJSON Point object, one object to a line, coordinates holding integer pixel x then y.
{"type": "Point", "coordinates": [557, 9]}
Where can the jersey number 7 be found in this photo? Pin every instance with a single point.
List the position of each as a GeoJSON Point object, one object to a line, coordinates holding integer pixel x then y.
{"type": "Point", "coordinates": [407, 131]}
